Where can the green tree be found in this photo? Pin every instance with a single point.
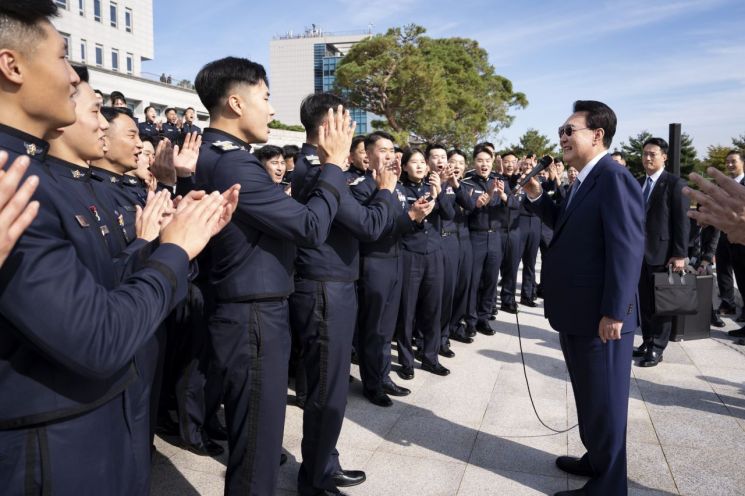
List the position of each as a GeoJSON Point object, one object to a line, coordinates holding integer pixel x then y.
{"type": "Point", "coordinates": [534, 142]}
{"type": "Point", "coordinates": [715, 156]}
{"type": "Point", "coordinates": [633, 150]}
{"type": "Point", "coordinates": [429, 89]}
{"type": "Point", "coordinates": [275, 124]}
{"type": "Point", "coordinates": [739, 142]}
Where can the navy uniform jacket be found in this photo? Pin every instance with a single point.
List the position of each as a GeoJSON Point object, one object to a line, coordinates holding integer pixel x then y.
{"type": "Point", "coordinates": [76, 354]}
{"type": "Point", "coordinates": [463, 206]}
{"type": "Point", "coordinates": [389, 243]}
{"type": "Point", "coordinates": [253, 257]}
{"type": "Point", "coordinates": [170, 131]}
{"type": "Point", "coordinates": [121, 201]}
{"type": "Point", "coordinates": [338, 258]}
{"type": "Point", "coordinates": [148, 129]}
{"type": "Point", "coordinates": [188, 128]}
{"type": "Point", "coordinates": [595, 256]}
{"type": "Point", "coordinates": [427, 238]}
{"type": "Point", "coordinates": [450, 225]}
{"type": "Point", "coordinates": [492, 217]}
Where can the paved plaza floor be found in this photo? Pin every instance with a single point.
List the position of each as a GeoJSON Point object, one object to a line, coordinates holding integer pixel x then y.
{"type": "Point", "coordinates": [474, 433]}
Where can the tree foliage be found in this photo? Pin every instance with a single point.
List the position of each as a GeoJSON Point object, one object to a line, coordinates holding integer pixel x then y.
{"type": "Point", "coordinates": [430, 89]}
{"type": "Point", "coordinates": [275, 124]}
{"type": "Point", "coordinates": [534, 142]}
{"type": "Point", "coordinates": [689, 161]}
{"type": "Point", "coordinates": [715, 156]}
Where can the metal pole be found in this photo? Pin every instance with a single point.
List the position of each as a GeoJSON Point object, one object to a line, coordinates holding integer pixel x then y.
{"type": "Point", "coordinates": [673, 154]}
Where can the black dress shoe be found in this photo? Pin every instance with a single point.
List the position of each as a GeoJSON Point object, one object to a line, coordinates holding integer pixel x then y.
{"type": "Point", "coordinates": [493, 316]}
{"type": "Point", "coordinates": [726, 309]}
{"type": "Point", "coordinates": [575, 466]}
{"type": "Point", "coordinates": [300, 402]}
{"type": "Point", "coordinates": [509, 307]}
{"type": "Point", "coordinates": [740, 342]}
{"type": "Point", "coordinates": [641, 350]}
{"type": "Point", "coordinates": [716, 320]}
{"type": "Point", "coordinates": [393, 389]}
{"type": "Point", "coordinates": [470, 333]}
{"type": "Point", "coordinates": [348, 478]}
{"type": "Point", "coordinates": [737, 333]}
{"type": "Point", "coordinates": [418, 354]}
{"type": "Point", "coordinates": [446, 352]}
{"type": "Point", "coordinates": [461, 339]}
{"type": "Point", "coordinates": [216, 432]}
{"type": "Point", "coordinates": [528, 303]}
{"type": "Point", "coordinates": [378, 398]}
{"type": "Point", "coordinates": [486, 330]}
{"type": "Point", "coordinates": [206, 448]}
{"type": "Point", "coordinates": [406, 373]}
{"type": "Point", "coordinates": [167, 427]}
{"type": "Point", "coordinates": [282, 459]}
{"type": "Point", "coordinates": [651, 358]}
{"type": "Point", "coordinates": [436, 369]}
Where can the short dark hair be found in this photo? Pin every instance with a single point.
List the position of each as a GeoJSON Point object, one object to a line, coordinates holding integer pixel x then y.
{"type": "Point", "coordinates": [616, 153]}
{"type": "Point", "coordinates": [314, 108]}
{"type": "Point", "coordinates": [111, 113]}
{"type": "Point", "coordinates": [434, 146]}
{"type": "Point", "coordinates": [289, 151]}
{"type": "Point", "coordinates": [482, 148]}
{"type": "Point", "coordinates": [599, 116]}
{"type": "Point", "coordinates": [189, 108]}
{"type": "Point", "coordinates": [659, 142]}
{"type": "Point", "coordinates": [217, 78]}
{"type": "Point", "coordinates": [737, 152]}
{"type": "Point", "coordinates": [117, 95]}
{"type": "Point", "coordinates": [19, 22]}
{"type": "Point", "coordinates": [170, 109]}
{"type": "Point", "coordinates": [82, 72]}
{"type": "Point", "coordinates": [508, 153]}
{"type": "Point", "coordinates": [458, 151]}
{"type": "Point", "coordinates": [153, 140]}
{"type": "Point", "coordinates": [98, 92]}
{"type": "Point", "coordinates": [148, 108]}
{"type": "Point", "coordinates": [360, 138]}
{"type": "Point", "coordinates": [530, 154]}
{"type": "Point", "coordinates": [268, 152]}
{"type": "Point", "coordinates": [397, 149]}
{"type": "Point", "coordinates": [487, 143]}
{"type": "Point", "coordinates": [409, 152]}
{"type": "Point", "coordinates": [376, 136]}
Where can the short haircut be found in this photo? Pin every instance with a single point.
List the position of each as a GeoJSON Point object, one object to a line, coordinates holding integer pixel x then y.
{"type": "Point", "coordinates": [153, 140]}
{"type": "Point", "coordinates": [360, 138]}
{"type": "Point", "coordinates": [482, 148]}
{"type": "Point", "coordinates": [117, 95]}
{"type": "Point", "coordinates": [487, 143]}
{"type": "Point", "coordinates": [289, 151]}
{"type": "Point", "coordinates": [397, 149]}
{"type": "Point", "coordinates": [659, 142]}
{"type": "Point", "coordinates": [508, 153]}
{"type": "Point", "coordinates": [458, 151]}
{"type": "Point", "coordinates": [530, 155]}
{"type": "Point", "coordinates": [98, 92]}
{"type": "Point", "coordinates": [170, 109]}
{"type": "Point", "coordinates": [189, 108]}
{"type": "Point", "coordinates": [616, 153]}
{"type": "Point", "coordinates": [82, 72]}
{"type": "Point", "coordinates": [314, 109]}
{"type": "Point", "coordinates": [737, 152]}
{"type": "Point", "coordinates": [268, 152]}
{"type": "Point", "coordinates": [148, 108]}
{"type": "Point", "coordinates": [111, 113]}
{"type": "Point", "coordinates": [409, 152]}
{"type": "Point", "coordinates": [217, 78]}
{"type": "Point", "coordinates": [376, 136]}
{"type": "Point", "coordinates": [434, 146]}
{"type": "Point", "coordinates": [599, 116]}
{"type": "Point", "coordinates": [19, 22]}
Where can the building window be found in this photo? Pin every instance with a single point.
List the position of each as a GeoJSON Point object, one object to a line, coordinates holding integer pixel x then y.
{"type": "Point", "coordinates": [66, 37]}
{"type": "Point", "coordinates": [83, 51]}
{"type": "Point", "coordinates": [97, 10]}
{"type": "Point", "coordinates": [99, 55]}
{"type": "Point", "coordinates": [113, 14]}
{"type": "Point", "coordinates": [81, 7]}
{"type": "Point", "coordinates": [128, 20]}
{"type": "Point", "coordinates": [114, 59]}
{"type": "Point", "coordinates": [62, 3]}
{"type": "Point", "coordinates": [130, 63]}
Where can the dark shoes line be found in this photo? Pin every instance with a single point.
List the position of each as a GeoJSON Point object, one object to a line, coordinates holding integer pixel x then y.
{"type": "Point", "coordinates": [349, 478]}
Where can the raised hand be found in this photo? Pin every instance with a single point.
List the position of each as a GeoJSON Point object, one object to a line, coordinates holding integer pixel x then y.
{"type": "Point", "coordinates": [16, 210]}
{"type": "Point", "coordinates": [434, 184]}
{"type": "Point", "coordinates": [386, 178]}
{"type": "Point", "coordinates": [421, 209]}
{"type": "Point", "coordinates": [335, 137]}
{"type": "Point", "coordinates": [163, 168]}
{"type": "Point", "coordinates": [196, 219]}
{"type": "Point", "coordinates": [721, 205]}
{"type": "Point", "coordinates": [155, 216]}
{"type": "Point", "coordinates": [185, 157]}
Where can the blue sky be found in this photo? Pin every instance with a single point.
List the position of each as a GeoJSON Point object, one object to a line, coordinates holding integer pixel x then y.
{"type": "Point", "coordinates": [653, 62]}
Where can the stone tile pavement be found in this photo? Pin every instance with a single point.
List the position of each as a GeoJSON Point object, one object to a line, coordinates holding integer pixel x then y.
{"type": "Point", "coordinates": [474, 433]}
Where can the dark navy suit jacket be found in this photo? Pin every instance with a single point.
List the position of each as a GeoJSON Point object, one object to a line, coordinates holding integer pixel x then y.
{"type": "Point", "coordinates": [592, 265]}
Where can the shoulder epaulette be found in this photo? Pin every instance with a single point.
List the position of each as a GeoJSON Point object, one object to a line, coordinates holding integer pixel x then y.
{"type": "Point", "coordinates": [226, 146]}
{"type": "Point", "coordinates": [313, 159]}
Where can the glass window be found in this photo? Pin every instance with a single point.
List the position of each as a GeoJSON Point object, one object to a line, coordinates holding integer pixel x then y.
{"type": "Point", "coordinates": [62, 3]}
{"type": "Point", "coordinates": [83, 51]}
{"type": "Point", "coordinates": [113, 14]}
{"type": "Point", "coordinates": [128, 20]}
{"type": "Point", "coordinates": [66, 37]}
{"type": "Point", "coordinates": [99, 55]}
{"type": "Point", "coordinates": [81, 7]}
{"type": "Point", "coordinates": [114, 59]}
{"type": "Point", "coordinates": [130, 63]}
{"type": "Point", "coordinates": [97, 10]}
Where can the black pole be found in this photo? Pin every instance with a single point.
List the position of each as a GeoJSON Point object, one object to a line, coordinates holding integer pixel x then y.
{"type": "Point", "coordinates": [673, 154]}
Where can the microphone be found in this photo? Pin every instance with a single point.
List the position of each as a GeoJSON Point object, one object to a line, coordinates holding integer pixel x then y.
{"type": "Point", "coordinates": [544, 162]}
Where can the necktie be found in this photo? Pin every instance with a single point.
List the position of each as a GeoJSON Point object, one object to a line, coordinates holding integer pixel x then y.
{"type": "Point", "coordinates": [573, 191]}
{"type": "Point", "coordinates": [647, 190]}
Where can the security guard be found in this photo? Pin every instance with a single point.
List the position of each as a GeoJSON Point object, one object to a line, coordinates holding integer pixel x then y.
{"type": "Point", "coordinates": [63, 370]}
{"type": "Point", "coordinates": [250, 264]}
{"type": "Point", "coordinates": [324, 305]}
{"type": "Point", "coordinates": [381, 273]}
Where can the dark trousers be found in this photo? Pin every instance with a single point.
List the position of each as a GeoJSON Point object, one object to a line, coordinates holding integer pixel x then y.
{"type": "Point", "coordinates": [462, 286]}
{"type": "Point", "coordinates": [88, 455]}
{"type": "Point", "coordinates": [655, 329]}
{"type": "Point", "coordinates": [324, 313]}
{"type": "Point", "coordinates": [510, 265]}
{"type": "Point", "coordinates": [451, 261]}
{"type": "Point", "coordinates": [142, 397]}
{"type": "Point", "coordinates": [600, 380]}
{"type": "Point", "coordinates": [421, 297]}
{"type": "Point", "coordinates": [730, 260]}
{"type": "Point", "coordinates": [251, 341]}
{"type": "Point", "coordinates": [379, 291]}
{"type": "Point", "coordinates": [546, 235]}
{"type": "Point", "coordinates": [530, 240]}
{"type": "Point", "coordinates": [487, 257]}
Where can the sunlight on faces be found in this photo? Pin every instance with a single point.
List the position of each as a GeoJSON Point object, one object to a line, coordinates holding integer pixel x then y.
{"type": "Point", "coordinates": [509, 165]}
{"type": "Point", "coordinates": [572, 174]}
{"type": "Point", "coordinates": [172, 117]}
{"type": "Point", "coordinates": [458, 163]}
{"type": "Point", "coordinates": [734, 164]}
{"type": "Point", "coordinates": [653, 158]}
{"type": "Point", "coordinates": [579, 148]}
{"type": "Point", "coordinates": [437, 159]}
{"type": "Point", "coordinates": [358, 157]}
{"type": "Point", "coordinates": [275, 167]}
{"type": "Point", "coordinates": [250, 102]}
{"type": "Point", "coordinates": [86, 136]}
{"type": "Point", "coordinates": [482, 163]}
{"type": "Point", "coordinates": [144, 161]}
{"type": "Point", "coordinates": [416, 167]}
{"type": "Point", "coordinates": [189, 116]}
{"type": "Point", "coordinates": [124, 144]}
{"type": "Point", "coordinates": [382, 154]}
{"type": "Point", "coordinates": [150, 115]}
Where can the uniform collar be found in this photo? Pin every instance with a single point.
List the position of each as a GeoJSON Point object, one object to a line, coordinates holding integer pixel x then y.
{"type": "Point", "coordinates": [105, 175]}
{"type": "Point", "coordinates": [308, 149]}
{"type": "Point", "coordinates": [63, 168]}
{"type": "Point", "coordinates": [212, 134]}
{"type": "Point", "coordinates": [131, 181]}
{"type": "Point", "coordinates": [24, 143]}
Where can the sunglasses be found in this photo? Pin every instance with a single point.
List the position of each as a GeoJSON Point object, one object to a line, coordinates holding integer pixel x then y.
{"type": "Point", "coordinates": [568, 130]}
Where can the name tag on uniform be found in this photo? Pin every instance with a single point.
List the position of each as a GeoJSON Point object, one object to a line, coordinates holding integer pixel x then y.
{"type": "Point", "coordinates": [82, 221]}
{"type": "Point", "coordinates": [412, 198]}
{"type": "Point", "coordinates": [449, 191]}
{"type": "Point", "coordinates": [478, 191]}
{"type": "Point", "coordinates": [357, 181]}
{"type": "Point", "coordinates": [104, 230]}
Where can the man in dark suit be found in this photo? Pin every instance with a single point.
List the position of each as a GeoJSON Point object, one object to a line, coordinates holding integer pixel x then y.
{"type": "Point", "coordinates": [590, 291]}
{"type": "Point", "coordinates": [667, 229]}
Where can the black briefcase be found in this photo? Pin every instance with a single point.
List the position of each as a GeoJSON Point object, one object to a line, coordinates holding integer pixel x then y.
{"type": "Point", "coordinates": [698, 325]}
{"type": "Point", "coordinates": [675, 293]}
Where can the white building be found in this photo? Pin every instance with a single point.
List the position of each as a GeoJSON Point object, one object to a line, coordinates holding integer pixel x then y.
{"type": "Point", "coordinates": [301, 64]}
{"type": "Point", "coordinates": [113, 38]}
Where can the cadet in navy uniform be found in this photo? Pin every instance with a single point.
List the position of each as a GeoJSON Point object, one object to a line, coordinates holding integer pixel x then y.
{"type": "Point", "coordinates": [457, 331]}
{"type": "Point", "coordinates": [170, 129]}
{"type": "Point", "coordinates": [421, 293]}
{"type": "Point", "coordinates": [323, 308]}
{"type": "Point", "coordinates": [188, 125]}
{"type": "Point", "coordinates": [487, 206]}
{"type": "Point", "coordinates": [250, 263]}
{"type": "Point", "coordinates": [63, 371]}
{"type": "Point", "coordinates": [529, 226]}
{"type": "Point", "coordinates": [511, 235]}
{"type": "Point", "coordinates": [381, 274]}
{"type": "Point", "coordinates": [149, 128]}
